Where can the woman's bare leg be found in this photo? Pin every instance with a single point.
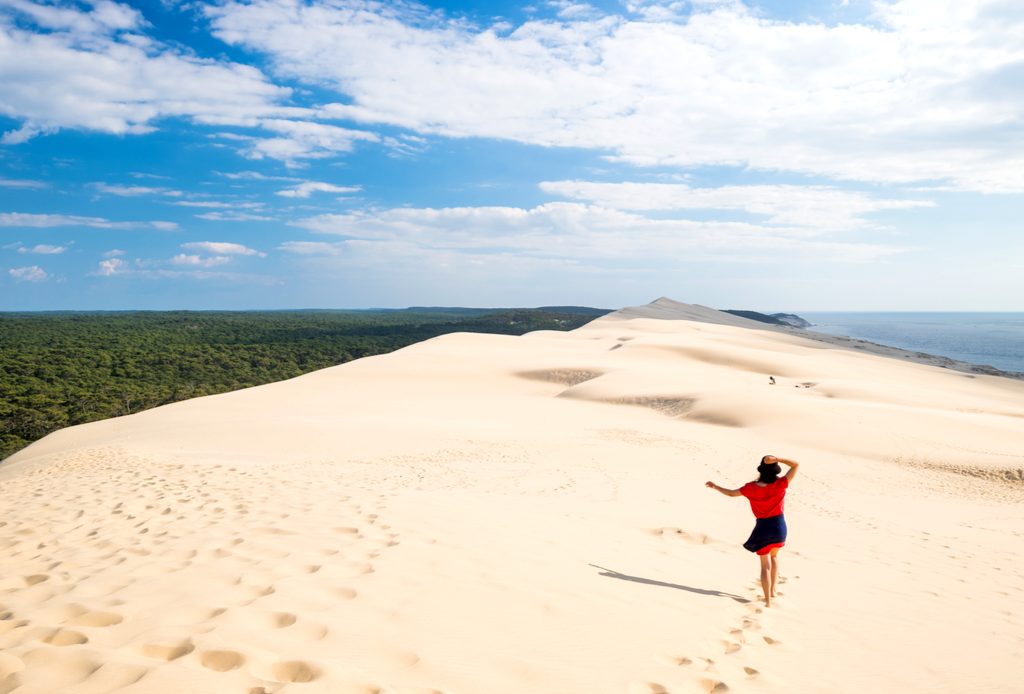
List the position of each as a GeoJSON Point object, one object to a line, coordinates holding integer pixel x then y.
{"type": "Point", "coordinates": [775, 569]}
{"type": "Point", "coordinates": [765, 579]}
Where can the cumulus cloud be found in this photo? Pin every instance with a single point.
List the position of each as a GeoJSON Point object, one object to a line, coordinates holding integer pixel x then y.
{"type": "Point", "coordinates": [24, 219]}
{"type": "Point", "coordinates": [929, 91]}
{"type": "Point", "coordinates": [32, 273]}
{"type": "Point", "coordinates": [813, 208]}
{"type": "Point", "coordinates": [111, 266]}
{"type": "Point", "coordinates": [221, 248]}
{"type": "Point", "coordinates": [307, 188]}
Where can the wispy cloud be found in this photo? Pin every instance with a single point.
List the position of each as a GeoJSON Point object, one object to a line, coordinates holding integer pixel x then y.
{"type": "Point", "coordinates": [318, 248]}
{"type": "Point", "coordinates": [24, 219]}
{"type": "Point", "coordinates": [233, 217]}
{"type": "Point", "coordinates": [254, 176]}
{"type": "Point", "coordinates": [571, 231]}
{"type": "Point", "coordinates": [307, 188]}
{"type": "Point", "coordinates": [135, 191]}
{"type": "Point", "coordinates": [21, 183]}
{"type": "Point", "coordinates": [813, 208]}
{"type": "Point", "coordinates": [199, 261]}
{"type": "Point", "coordinates": [42, 249]}
{"type": "Point", "coordinates": [220, 204]}
{"type": "Point", "coordinates": [144, 269]}
{"type": "Point", "coordinates": [221, 248]}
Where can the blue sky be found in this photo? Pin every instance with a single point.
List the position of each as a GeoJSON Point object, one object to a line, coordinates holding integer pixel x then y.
{"type": "Point", "coordinates": [771, 155]}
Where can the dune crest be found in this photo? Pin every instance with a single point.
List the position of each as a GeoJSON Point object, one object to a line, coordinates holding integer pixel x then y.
{"type": "Point", "coordinates": [485, 513]}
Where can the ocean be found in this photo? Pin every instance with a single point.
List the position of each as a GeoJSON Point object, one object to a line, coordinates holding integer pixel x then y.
{"type": "Point", "coordinates": [992, 339]}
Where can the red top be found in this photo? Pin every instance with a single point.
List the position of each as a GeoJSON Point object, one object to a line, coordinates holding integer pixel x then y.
{"type": "Point", "coordinates": [766, 501]}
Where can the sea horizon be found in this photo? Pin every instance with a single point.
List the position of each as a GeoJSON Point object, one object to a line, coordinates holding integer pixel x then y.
{"type": "Point", "coordinates": [984, 338]}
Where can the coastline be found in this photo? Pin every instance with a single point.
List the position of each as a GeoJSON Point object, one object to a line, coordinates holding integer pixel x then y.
{"type": "Point", "coordinates": [902, 354]}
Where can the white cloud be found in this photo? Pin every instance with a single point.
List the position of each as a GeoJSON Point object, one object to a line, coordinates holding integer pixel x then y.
{"type": "Point", "coordinates": [233, 217]}
{"type": "Point", "coordinates": [195, 260]}
{"type": "Point", "coordinates": [106, 17]}
{"type": "Point", "coordinates": [311, 248]}
{"type": "Point", "coordinates": [32, 273]}
{"type": "Point", "coordinates": [815, 208]}
{"type": "Point", "coordinates": [99, 77]}
{"type": "Point", "coordinates": [929, 92]}
{"type": "Point", "coordinates": [254, 176]}
{"type": "Point", "coordinates": [221, 248]}
{"type": "Point", "coordinates": [114, 253]}
{"type": "Point", "coordinates": [17, 183]}
{"type": "Point", "coordinates": [102, 73]}
{"type": "Point", "coordinates": [135, 191]}
{"type": "Point", "coordinates": [23, 219]}
{"type": "Point", "coordinates": [143, 269]}
{"type": "Point", "coordinates": [299, 140]}
{"type": "Point", "coordinates": [307, 188]}
{"type": "Point", "coordinates": [43, 249]}
{"type": "Point", "coordinates": [573, 231]}
{"type": "Point", "coordinates": [220, 204]}
{"type": "Point", "coordinates": [112, 266]}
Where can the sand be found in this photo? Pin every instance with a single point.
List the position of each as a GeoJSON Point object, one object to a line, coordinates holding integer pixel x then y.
{"type": "Point", "coordinates": [490, 514]}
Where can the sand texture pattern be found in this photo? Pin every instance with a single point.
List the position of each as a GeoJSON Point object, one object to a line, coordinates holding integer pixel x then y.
{"type": "Point", "coordinates": [483, 514]}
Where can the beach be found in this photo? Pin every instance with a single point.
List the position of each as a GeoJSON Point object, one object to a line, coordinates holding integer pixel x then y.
{"type": "Point", "coordinates": [485, 513]}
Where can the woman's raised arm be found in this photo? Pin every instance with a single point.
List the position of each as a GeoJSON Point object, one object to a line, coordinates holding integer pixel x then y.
{"type": "Point", "coordinates": [792, 464]}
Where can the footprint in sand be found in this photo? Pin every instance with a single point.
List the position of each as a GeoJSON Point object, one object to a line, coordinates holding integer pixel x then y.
{"type": "Point", "coordinates": [751, 672]}
{"type": "Point", "coordinates": [168, 651]}
{"type": "Point", "coordinates": [674, 660]}
{"type": "Point", "coordinates": [716, 686]}
{"type": "Point", "coordinates": [295, 671]}
{"type": "Point", "coordinates": [222, 661]}
{"type": "Point", "coordinates": [646, 688]}
{"type": "Point", "coordinates": [280, 620]}
{"type": "Point", "coordinates": [65, 637]}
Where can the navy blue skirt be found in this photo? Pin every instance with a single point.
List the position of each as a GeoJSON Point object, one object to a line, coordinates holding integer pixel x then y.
{"type": "Point", "coordinates": [768, 534]}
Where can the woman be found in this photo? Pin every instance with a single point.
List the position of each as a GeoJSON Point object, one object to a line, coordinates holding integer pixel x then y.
{"type": "Point", "coordinates": [766, 496]}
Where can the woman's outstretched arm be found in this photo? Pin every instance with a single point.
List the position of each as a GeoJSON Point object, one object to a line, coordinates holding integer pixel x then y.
{"type": "Point", "coordinates": [723, 490]}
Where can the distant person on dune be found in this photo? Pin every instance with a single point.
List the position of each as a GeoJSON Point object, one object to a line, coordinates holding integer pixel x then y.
{"type": "Point", "coordinates": [766, 495]}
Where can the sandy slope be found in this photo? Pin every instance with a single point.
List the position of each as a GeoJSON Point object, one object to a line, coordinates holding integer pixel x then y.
{"type": "Point", "coordinates": [492, 514]}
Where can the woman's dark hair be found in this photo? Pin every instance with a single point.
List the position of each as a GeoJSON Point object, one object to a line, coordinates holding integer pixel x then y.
{"type": "Point", "coordinates": [769, 472]}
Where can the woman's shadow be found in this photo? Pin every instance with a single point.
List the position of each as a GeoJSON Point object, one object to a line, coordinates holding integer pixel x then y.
{"type": "Point", "coordinates": [650, 581]}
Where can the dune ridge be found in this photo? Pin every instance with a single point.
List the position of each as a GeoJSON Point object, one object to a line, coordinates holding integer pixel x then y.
{"type": "Point", "coordinates": [484, 513]}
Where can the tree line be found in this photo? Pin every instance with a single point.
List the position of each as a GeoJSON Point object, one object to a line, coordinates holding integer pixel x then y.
{"type": "Point", "coordinates": [60, 369]}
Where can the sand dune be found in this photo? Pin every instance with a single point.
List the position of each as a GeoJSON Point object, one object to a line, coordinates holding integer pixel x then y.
{"type": "Point", "coordinates": [481, 513]}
